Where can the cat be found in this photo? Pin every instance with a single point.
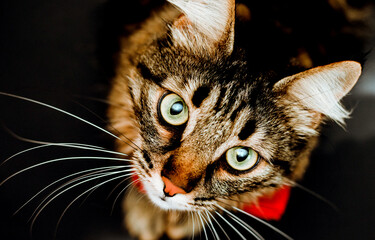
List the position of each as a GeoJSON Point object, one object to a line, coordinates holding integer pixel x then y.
{"type": "Point", "coordinates": [217, 117]}
{"type": "Point", "coordinates": [217, 105]}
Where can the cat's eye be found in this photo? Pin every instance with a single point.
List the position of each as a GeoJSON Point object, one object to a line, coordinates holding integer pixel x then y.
{"type": "Point", "coordinates": [242, 158]}
{"type": "Point", "coordinates": [173, 109]}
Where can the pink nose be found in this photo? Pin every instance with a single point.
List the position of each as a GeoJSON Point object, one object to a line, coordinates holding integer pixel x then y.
{"type": "Point", "coordinates": [170, 189]}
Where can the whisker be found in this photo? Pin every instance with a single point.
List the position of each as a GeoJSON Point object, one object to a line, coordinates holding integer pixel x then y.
{"type": "Point", "coordinates": [207, 224]}
{"type": "Point", "coordinates": [318, 196]}
{"type": "Point", "coordinates": [112, 127]}
{"type": "Point", "coordinates": [212, 225]}
{"type": "Point", "coordinates": [64, 112]}
{"type": "Point", "coordinates": [114, 189]}
{"type": "Point", "coordinates": [94, 170]}
{"type": "Point", "coordinates": [102, 101]}
{"type": "Point", "coordinates": [243, 224]}
{"type": "Point", "coordinates": [63, 159]}
{"type": "Point", "coordinates": [88, 177]}
{"type": "Point", "coordinates": [16, 136]}
{"type": "Point", "coordinates": [235, 229]}
{"type": "Point", "coordinates": [265, 223]}
{"type": "Point", "coordinates": [193, 223]}
{"type": "Point", "coordinates": [217, 222]}
{"type": "Point", "coordinates": [88, 195]}
{"type": "Point", "coordinates": [204, 228]}
{"type": "Point", "coordinates": [79, 196]}
{"type": "Point", "coordinates": [45, 203]}
{"type": "Point", "coordinates": [50, 144]}
{"type": "Point", "coordinates": [80, 180]}
{"type": "Point", "coordinates": [69, 145]}
{"type": "Point", "coordinates": [123, 190]}
{"type": "Point", "coordinates": [22, 152]}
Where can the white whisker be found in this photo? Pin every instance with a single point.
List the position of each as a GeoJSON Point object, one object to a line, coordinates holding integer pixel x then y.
{"type": "Point", "coordinates": [114, 189]}
{"type": "Point", "coordinates": [90, 189]}
{"type": "Point", "coordinates": [235, 229]}
{"type": "Point", "coordinates": [193, 223]}
{"type": "Point", "coordinates": [212, 225]}
{"type": "Point", "coordinates": [123, 190]}
{"type": "Point", "coordinates": [23, 139]}
{"type": "Point", "coordinates": [63, 159]}
{"type": "Point", "coordinates": [265, 223]}
{"type": "Point", "coordinates": [207, 224]}
{"type": "Point", "coordinates": [69, 145]}
{"type": "Point", "coordinates": [104, 101]}
{"type": "Point", "coordinates": [204, 228]}
{"type": "Point", "coordinates": [81, 180]}
{"type": "Point", "coordinates": [94, 170]}
{"type": "Point", "coordinates": [217, 222]}
{"type": "Point", "coordinates": [45, 203]}
{"type": "Point", "coordinates": [318, 196]}
{"type": "Point", "coordinates": [110, 125]}
{"type": "Point", "coordinates": [65, 112]}
{"type": "Point", "coordinates": [243, 224]}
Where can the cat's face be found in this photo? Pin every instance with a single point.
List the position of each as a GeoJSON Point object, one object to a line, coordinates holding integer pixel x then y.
{"type": "Point", "coordinates": [207, 131]}
{"type": "Point", "coordinates": [209, 128]}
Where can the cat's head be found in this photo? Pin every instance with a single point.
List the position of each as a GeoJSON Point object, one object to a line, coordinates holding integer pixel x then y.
{"type": "Point", "coordinates": [208, 130]}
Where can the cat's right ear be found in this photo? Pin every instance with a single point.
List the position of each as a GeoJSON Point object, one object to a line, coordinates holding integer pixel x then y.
{"type": "Point", "coordinates": [204, 26]}
{"type": "Point", "coordinates": [320, 89]}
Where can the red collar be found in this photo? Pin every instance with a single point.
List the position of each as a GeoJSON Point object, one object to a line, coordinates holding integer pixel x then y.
{"type": "Point", "coordinates": [267, 208]}
{"type": "Point", "coordinates": [270, 207]}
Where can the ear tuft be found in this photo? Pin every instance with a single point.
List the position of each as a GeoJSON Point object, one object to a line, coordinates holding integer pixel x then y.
{"type": "Point", "coordinates": [204, 24]}
{"type": "Point", "coordinates": [320, 89]}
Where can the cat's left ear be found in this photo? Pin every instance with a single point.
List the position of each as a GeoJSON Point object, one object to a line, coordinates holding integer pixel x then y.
{"type": "Point", "coordinates": [205, 25]}
{"type": "Point", "coordinates": [320, 89]}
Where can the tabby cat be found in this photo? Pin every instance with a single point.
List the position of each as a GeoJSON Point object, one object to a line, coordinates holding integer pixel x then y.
{"type": "Point", "coordinates": [216, 118]}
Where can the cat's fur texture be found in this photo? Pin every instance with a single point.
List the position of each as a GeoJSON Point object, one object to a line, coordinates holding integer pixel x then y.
{"type": "Point", "coordinates": [190, 48]}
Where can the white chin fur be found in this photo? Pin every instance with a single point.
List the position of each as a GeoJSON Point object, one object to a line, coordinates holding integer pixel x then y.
{"type": "Point", "coordinates": [170, 203]}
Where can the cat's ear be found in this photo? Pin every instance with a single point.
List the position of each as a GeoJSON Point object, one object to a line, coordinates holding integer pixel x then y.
{"type": "Point", "coordinates": [320, 89]}
{"type": "Point", "coordinates": [204, 25]}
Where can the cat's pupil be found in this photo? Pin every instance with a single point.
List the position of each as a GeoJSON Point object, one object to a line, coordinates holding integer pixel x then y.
{"type": "Point", "coordinates": [242, 154]}
{"type": "Point", "coordinates": [177, 108]}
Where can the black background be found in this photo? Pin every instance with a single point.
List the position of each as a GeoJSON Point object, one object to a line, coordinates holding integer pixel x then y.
{"type": "Point", "coordinates": [61, 52]}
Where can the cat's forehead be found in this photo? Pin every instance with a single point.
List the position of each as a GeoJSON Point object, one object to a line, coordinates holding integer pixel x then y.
{"type": "Point", "coordinates": [166, 60]}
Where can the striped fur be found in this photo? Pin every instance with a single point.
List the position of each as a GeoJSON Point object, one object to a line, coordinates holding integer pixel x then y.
{"type": "Point", "coordinates": [192, 53]}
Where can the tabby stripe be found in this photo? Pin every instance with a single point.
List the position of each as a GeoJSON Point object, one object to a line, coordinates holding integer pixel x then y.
{"type": "Point", "coordinates": [148, 160]}
{"type": "Point", "coordinates": [148, 74]}
{"type": "Point", "coordinates": [200, 95]}
{"type": "Point", "coordinates": [247, 130]}
{"type": "Point", "coordinates": [219, 101]}
{"type": "Point", "coordinates": [235, 112]}
{"type": "Point", "coordinates": [173, 144]}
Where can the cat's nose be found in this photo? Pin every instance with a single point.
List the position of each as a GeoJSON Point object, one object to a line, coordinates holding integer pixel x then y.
{"type": "Point", "coordinates": [170, 189]}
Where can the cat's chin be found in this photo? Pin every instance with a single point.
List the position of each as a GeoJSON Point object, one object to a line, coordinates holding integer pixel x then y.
{"type": "Point", "coordinates": [169, 203]}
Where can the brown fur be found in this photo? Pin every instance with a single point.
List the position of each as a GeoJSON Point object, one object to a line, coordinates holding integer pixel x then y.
{"type": "Point", "coordinates": [155, 61]}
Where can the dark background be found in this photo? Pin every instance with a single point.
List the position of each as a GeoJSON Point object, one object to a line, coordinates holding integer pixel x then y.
{"type": "Point", "coordinates": [61, 53]}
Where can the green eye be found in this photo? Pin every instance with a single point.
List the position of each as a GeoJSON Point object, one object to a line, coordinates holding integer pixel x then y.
{"type": "Point", "coordinates": [173, 109]}
{"type": "Point", "coordinates": [241, 158]}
